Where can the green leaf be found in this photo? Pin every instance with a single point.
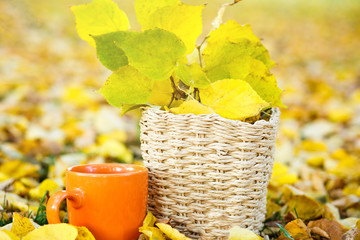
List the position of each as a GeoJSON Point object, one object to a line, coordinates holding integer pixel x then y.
{"type": "Point", "coordinates": [182, 19]}
{"type": "Point", "coordinates": [97, 18]}
{"type": "Point", "coordinates": [108, 53]}
{"type": "Point", "coordinates": [231, 41]}
{"type": "Point", "coordinates": [233, 99]}
{"type": "Point", "coordinates": [192, 75]}
{"type": "Point", "coordinates": [153, 52]}
{"type": "Point", "coordinates": [127, 86]}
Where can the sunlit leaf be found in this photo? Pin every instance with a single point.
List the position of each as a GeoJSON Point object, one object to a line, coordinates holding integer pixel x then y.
{"type": "Point", "coordinates": [153, 52]}
{"type": "Point", "coordinates": [232, 98]}
{"type": "Point", "coordinates": [127, 86]}
{"type": "Point", "coordinates": [7, 235]}
{"type": "Point", "coordinates": [152, 232]}
{"type": "Point", "coordinates": [97, 18]}
{"type": "Point", "coordinates": [192, 106]}
{"type": "Point", "coordinates": [59, 231]}
{"type": "Point", "coordinates": [179, 18]}
{"type": "Point", "coordinates": [21, 225]}
{"type": "Point", "coordinates": [170, 232]}
{"type": "Point", "coordinates": [238, 233]}
{"type": "Point", "coordinates": [192, 75]}
{"type": "Point", "coordinates": [231, 41]}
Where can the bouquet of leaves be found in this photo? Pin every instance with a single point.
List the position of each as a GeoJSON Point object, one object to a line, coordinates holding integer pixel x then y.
{"type": "Point", "coordinates": [228, 73]}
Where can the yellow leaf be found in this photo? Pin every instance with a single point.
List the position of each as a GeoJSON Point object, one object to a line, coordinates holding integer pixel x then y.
{"type": "Point", "coordinates": [59, 231]}
{"type": "Point", "coordinates": [313, 146]}
{"type": "Point", "coordinates": [271, 208]}
{"type": "Point", "coordinates": [15, 201]}
{"type": "Point", "coordinates": [84, 234]}
{"type": "Point", "coordinates": [233, 99]}
{"type": "Point", "coordinates": [232, 32]}
{"type": "Point", "coordinates": [97, 18]}
{"type": "Point", "coordinates": [340, 114]}
{"type": "Point", "coordinates": [46, 185]}
{"type": "Point", "coordinates": [181, 19]}
{"type": "Point", "coordinates": [192, 106]}
{"type": "Point", "coordinates": [297, 229]}
{"type": "Point", "coordinates": [306, 207]}
{"type": "Point", "coordinates": [170, 232]}
{"type": "Point", "coordinates": [161, 93]}
{"type": "Point", "coordinates": [21, 225]}
{"type": "Point", "coordinates": [149, 220]}
{"type": "Point", "coordinates": [7, 235]}
{"type": "Point", "coordinates": [153, 233]}
{"type": "Point", "coordinates": [281, 175]}
{"type": "Point", "coordinates": [238, 233]}
{"type": "Point", "coordinates": [18, 169]}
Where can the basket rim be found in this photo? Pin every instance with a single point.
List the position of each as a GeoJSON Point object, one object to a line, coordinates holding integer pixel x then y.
{"type": "Point", "coordinates": [214, 116]}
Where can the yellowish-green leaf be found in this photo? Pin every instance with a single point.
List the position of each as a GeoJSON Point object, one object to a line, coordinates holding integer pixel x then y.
{"type": "Point", "coordinates": [231, 41]}
{"type": "Point", "coordinates": [238, 233]}
{"type": "Point", "coordinates": [145, 8]}
{"type": "Point", "coordinates": [97, 18]}
{"type": "Point", "coordinates": [171, 233]}
{"type": "Point", "coordinates": [267, 88]}
{"type": "Point", "coordinates": [161, 93]}
{"type": "Point", "coordinates": [129, 107]}
{"type": "Point", "coordinates": [153, 233]}
{"type": "Point", "coordinates": [110, 55]}
{"type": "Point", "coordinates": [179, 18]}
{"type": "Point", "coordinates": [127, 86]}
{"type": "Point", "coordinates": [192, 75]}
{"type": "Point", "coordinates": [21, 225]}
{"type": "Point", "coordinates": [59, 231]}
{"type": "Point", "coordinates": [153, 52]}
{"type": "Point", "coordinates": [233, 99]}
{"type": "Point", "coordinates": [7, 235]}
{"type": "Point", "coordinates": [238, 68]}
{"type": "Point", "coordinates": [192, 106]}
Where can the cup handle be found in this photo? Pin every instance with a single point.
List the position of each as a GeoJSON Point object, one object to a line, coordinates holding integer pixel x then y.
{"type": "Point", "coordinates": [52, 207]}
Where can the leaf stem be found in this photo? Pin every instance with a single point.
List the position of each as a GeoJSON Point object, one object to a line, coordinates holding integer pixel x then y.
{"type": "Point", "coordinates": [172, 99]}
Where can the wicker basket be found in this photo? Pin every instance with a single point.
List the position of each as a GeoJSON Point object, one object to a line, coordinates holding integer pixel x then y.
{"type": "Point", "coordinates": [208, 173]}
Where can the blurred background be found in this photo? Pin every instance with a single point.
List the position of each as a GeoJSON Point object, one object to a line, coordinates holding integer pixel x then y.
{"type": "Point", "coordinates": [51, 116]}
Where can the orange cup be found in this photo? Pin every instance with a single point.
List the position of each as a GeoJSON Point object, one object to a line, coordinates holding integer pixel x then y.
{"type": "Point", "coordinates": [109, 199]}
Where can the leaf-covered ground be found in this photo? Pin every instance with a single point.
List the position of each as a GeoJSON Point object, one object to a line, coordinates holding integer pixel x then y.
{"type": "Point", "coordinates": [52, 117]}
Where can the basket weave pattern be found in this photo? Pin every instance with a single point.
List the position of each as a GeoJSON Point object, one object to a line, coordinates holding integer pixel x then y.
{"type": "Point", "coordinates": [208, 173]}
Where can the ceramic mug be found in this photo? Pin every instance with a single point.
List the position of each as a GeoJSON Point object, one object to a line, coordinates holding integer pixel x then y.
{"type": "Point", "coordinates": [109, 199]}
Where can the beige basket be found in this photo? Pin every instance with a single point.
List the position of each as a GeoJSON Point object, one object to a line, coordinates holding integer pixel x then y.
{"type": "Point", "coordinates": [208, 173]}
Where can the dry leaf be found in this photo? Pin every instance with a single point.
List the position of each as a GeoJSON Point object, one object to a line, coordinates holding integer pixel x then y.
{"type": "Point", "coordinates": [21, 225]}
{"type": "Point", "coordinates": [331, 227]}
{"type": "Point", "coordinates": [297, 229]}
